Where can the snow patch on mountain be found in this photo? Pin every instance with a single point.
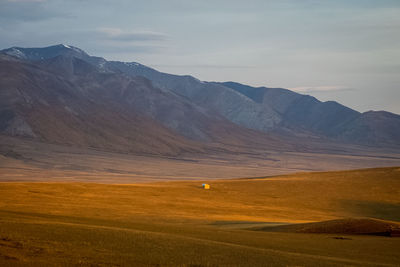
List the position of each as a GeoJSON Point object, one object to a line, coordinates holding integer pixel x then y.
{"type": "Point", "coordinates": [15, 52]}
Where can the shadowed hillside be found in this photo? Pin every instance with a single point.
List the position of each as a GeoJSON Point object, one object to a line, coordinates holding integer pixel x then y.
{"type": "Point", "coordinates": [351, 226]}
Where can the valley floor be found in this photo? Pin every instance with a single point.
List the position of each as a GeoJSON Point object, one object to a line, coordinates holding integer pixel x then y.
{"type": "Point", "coordinates": [27, 161]}
{"type": "Point", "coordinates": [178, 223]}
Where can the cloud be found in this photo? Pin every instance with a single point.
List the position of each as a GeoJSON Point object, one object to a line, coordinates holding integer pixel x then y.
{"type": "Point", "coordinates": [27, 10]}
{"type": "Point", "coordinates": [24, 1]}
{"type": "Point", "coordinates": [325, 88]}
{"type": "Point", "coordinates": [118, 41]}
{"type": "Point", "coordinates": [118, 34]}
{"type": "Point", "coordinates": [128, 48]}
{"type": "Point", "coordinates": [207, 66]}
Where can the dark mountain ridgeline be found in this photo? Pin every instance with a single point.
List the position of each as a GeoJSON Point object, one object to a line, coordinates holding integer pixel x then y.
{"type": "Point", "coordinates": [61, 94]}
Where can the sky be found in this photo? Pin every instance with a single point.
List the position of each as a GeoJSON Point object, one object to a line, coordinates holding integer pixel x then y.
{"type": "Point", "coordinates": [342, 50]}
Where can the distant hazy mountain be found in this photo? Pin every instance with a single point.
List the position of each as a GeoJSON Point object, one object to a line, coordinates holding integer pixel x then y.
{"type": "Point", "coordinates": [61, 94]}
{"type": "Point", "coordinates": [276, 109]}
{"type": "Point", "coordinates": [328, 118]}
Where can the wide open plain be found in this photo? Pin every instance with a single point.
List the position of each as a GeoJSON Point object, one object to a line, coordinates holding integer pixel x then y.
{"type": "Point", "coordinates": [237, 222]}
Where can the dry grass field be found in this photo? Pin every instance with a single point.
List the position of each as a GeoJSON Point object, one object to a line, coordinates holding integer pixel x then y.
{"type": "Point", "coordinates": [178, 223]}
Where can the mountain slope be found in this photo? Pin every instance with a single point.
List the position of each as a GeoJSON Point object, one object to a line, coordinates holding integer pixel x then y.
{"type": "Point", "coordinates": [211, 111]}
{"type": "Point", "coordinates": [329, 118]}
{"type": "Point", "coordinates": [233, 106]}
{"type": "Point", "coordinates": [300, 110]}
{"type": "Point", "coordinates": [377, 128]}
{"type": "Point", "coordinates": [67, 100]}
{"type": "Point", "coordinates": [275, 110]}
{"type": "Point", "coordinates": [38, 104]}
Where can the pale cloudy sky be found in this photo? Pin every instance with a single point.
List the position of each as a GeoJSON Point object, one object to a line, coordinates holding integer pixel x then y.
{"type": "Point", "coordinates": [343, 50]}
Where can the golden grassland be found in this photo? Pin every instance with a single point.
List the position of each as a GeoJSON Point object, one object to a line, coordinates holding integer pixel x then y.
{"type": "Point", "coordinates": [180, 224]}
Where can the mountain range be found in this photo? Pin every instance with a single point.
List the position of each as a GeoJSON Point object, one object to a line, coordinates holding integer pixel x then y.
{"type": "Point", "coordinates": [60, 94]}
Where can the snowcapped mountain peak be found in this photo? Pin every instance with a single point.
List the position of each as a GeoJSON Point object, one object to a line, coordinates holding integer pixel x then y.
{"type": "Point", "coordinates": [70, 47]}
{"type": "Point", "coordinates": [45, 52]}
{"type": "Point", "coordinates": [15, 52]}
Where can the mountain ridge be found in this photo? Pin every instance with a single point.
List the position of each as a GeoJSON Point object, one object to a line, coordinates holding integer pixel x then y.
{"type": "Point", "coordinates": [256, 111]}
{"type": "Point", "coordinates": [68, 100]}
